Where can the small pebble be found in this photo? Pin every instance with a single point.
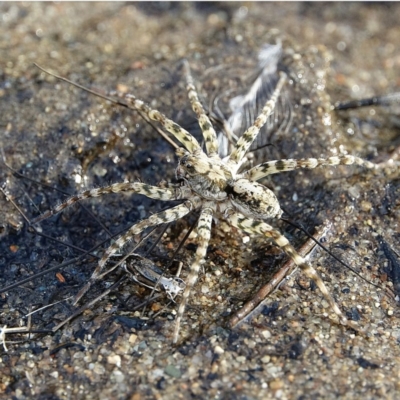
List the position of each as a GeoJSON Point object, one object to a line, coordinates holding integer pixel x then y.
{"type": "Point", "coordinates": [276, 384]}
{"type": "Point", "coordinates": [266, 334]}
{"type": "Point", "coordinates": [132, 338]}
{"type": "Point", "coordinates": [114, 359]}
{"type": "Point", "coordinates": [266, 359]}
{"type": "Point", "coordinates": [172, 371]}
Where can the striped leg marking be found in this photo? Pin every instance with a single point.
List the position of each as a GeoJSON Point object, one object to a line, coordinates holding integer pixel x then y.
{"type": "Point", "coordinates": [179, 133]}
{"type": "Point", "coordinates": [152, 192]}
{"type": "Point", "coordinates": [261, 228]}
{"type": "Point", "coordinates": [251, 133]}
{"type": "Point", "coordinates": [209, 134]}
{"type": "Point", "coordinates": [276, 166]}
{"type": "Point", "coordinates": [163, 217]}
{"type": "Point", "coordinates": [204, 234]}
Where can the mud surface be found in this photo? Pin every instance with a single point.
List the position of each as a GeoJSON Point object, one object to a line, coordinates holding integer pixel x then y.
{"type": "Point", "coordinates": [70, 140]}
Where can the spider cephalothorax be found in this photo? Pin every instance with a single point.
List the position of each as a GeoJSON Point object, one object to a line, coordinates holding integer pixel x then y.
{"type": "Point", "coordinates": [213, 186]}
{"type": "Point", "coordinates": [209, 178]}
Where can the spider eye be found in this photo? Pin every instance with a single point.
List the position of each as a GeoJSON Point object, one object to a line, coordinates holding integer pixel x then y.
{"type": "Point", "coordinates": [189, 166]}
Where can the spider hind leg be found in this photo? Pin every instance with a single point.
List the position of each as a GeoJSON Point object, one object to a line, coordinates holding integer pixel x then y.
{"type": "Point", "coordinates": [261, 228]}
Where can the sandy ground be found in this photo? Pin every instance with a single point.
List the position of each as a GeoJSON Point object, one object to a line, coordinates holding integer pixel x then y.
{"type": "Point", "coordinates": [70, 140]}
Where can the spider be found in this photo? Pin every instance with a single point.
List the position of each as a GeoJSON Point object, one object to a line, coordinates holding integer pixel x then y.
{"type": "Point", "coordinates": [215, 187]}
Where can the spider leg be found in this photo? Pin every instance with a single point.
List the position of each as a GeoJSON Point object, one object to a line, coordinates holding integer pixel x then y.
{"type": "Point", "coordinates": [209, 134]}
{"type": "Point", "coordinates": [276, 166]}
{"type": "Point", "coordinates": [152, 192]}
{"type": "Point", "coordinates": [245, 141]}
{"type": "Point", "coordinates": [162, 217]}
{"type": "Point", "coordinates": [181, 134]}
{"type": "Point", "coordinates": [204, 234]}
{"type": "Point", "coordinates": [261, 228]}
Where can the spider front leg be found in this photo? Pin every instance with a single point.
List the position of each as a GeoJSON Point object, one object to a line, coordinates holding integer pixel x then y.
{"type": "Point", "coordinates": [179, 133]}
{"type": "Point", "coordinates": [204, 234]}
{"type": "Point", "coordinates": [261, 228]}
{"type": "Point", "coordinates": [163, 217]}
{"type": "Point", "coordinates": [209, 134]}
{"type": "Point", "coordinates": [276, 166]}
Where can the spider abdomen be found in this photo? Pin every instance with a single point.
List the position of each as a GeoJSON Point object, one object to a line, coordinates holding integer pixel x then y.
{"type": "Point", "coordinates": [254, 200]}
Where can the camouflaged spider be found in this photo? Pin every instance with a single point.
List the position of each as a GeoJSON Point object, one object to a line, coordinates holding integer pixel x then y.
{"type": "Point", "coordinates": [214, 186]}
